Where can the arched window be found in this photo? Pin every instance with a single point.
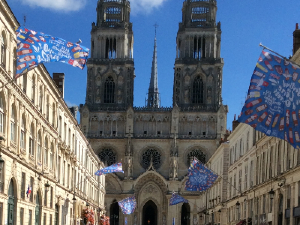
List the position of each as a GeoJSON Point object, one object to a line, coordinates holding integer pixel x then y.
{"type": "Point", "coordinates": [33, 89]}
{"type": "Point", "coordinates": [109, 90]}
{"type": "Point", "coordinates": [198, 154]}
{"type": "Point", "coordinates": [15, 62]}
{"type": "Point", "coordinates": [3, 43]}
{"type": "Point", "coordinates": [69, 137]}
{"type": "Point", "coordinates": [53, 114]}
{"type": "Point", "coordinates": [1, 115]}
{"type": "Point", "coordinates": [13, 125]}
{"type": "Point", "coordinates": [41, 99]}
{"type": "Point", "coordinates": [22, 135]}
{"type": "Point", "coordinates": [39, 143]}
{"type": "Point", "coordinates": [47, 107]}
{"type": "Point", "coordinates": [151, 156]}
{"type": "Point", "coordinates": [46, 152]}
{"type": "Point", "coordinates": [107, 156]}
{"type": "Point", "coordinates": [24, 77]}
{"type": "Point", "coordinates": [197, 97]}
{"type": "Point", "coordinates": [51, 157]}
{"type": "Point", "coordinates": [31, 143]}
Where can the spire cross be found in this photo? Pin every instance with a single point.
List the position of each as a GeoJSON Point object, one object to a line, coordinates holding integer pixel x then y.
{"type": "Point", "coordinates": [156, 26]}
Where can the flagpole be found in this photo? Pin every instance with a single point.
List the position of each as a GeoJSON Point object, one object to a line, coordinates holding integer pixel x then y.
{"type": "Point", "coordinates": [264, 47]}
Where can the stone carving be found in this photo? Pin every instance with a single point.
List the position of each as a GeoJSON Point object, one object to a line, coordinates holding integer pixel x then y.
{"type": "Point", "coordinates": [135, 220]}
{"type": "Point", "coordinates": [129, 167]}
{"type": "Point", "coordinates": [174, 168]}
{"type": "Point", "coordinates": [164, 219]}
{"type": "Point", "coordinates": [195, 220]}
{"type": "Point", "coordinates": [151, 189]}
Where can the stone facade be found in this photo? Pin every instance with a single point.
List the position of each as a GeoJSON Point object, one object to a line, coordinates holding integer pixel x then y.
{"type": "Point", "coordinates": [42, 147]}
{"type": "Point", "coordinates": [155, 144]}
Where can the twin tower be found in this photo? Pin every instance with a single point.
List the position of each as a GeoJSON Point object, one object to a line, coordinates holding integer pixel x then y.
{"type": "Point", "coordinates": [198, 66]}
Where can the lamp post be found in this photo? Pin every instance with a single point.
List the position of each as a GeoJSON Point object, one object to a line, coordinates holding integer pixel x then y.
{"type": "Point", "coordinates": [1, 173]}
{"type": "Point", "coordinates": [237, 204]}
{"type": "Point", "coordinates": [47, 186]}
{"type": "Point", "coordinates": [271, 194]}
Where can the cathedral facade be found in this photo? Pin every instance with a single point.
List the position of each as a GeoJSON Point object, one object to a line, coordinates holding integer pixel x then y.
{"type": "Point", "coordinates": [154, 143]}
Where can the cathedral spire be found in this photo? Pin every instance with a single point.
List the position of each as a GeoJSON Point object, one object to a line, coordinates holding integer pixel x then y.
{"type": "Point", "coordinates": [153, 94]}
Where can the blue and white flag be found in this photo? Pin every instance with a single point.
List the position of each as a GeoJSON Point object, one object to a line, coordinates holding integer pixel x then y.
{"type": "Point", "coordinates": [200, 177]}
{"type": "Point", "coordinates": [117, 167]}
{"type": "Point", "coordinates": [176, 199]}
{"type": "Point", "coordinates": [127, 205]}
{"type": "Point", "coordinates": [273, 104]}
{"type": "Point", "coordinates": [34, 48]}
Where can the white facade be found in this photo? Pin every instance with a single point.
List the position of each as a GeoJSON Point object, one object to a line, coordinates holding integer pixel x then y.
{"type": "Point", "coordinates": [41, 143]}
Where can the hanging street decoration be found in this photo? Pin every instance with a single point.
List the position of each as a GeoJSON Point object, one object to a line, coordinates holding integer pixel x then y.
{"type": "Point", "coordinates": [34, 48]}
{"type": "Point", "coordinates": [176, 199]}
{"type": "Point", "coordinates": [273, 104]}
{"type": "Point", "coordinates": [128, 205]}
{"type": "Point", "coordinates": [117, 167]}
{"type": "Point", "coordinates": [200, 177]}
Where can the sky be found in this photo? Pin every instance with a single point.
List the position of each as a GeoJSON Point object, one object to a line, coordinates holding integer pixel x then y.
{"type": "Point", "coordinates": [244, 25]}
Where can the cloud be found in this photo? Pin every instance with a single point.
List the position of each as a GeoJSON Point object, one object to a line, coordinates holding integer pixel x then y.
{"type": "Point", "coordinates": [58, 5]}
{"type": "Point", "coordinates": [138, 6]}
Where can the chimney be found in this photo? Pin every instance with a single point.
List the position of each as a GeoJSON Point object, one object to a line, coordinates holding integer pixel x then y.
{"type": "Point", "coordinates": [74, 110]}
{"type": "Point", "coordinates": [235, 123]}
{"type": "Point", "coordinates": [59, 79]}
{"type": "Point", "coordinates": [296, 40]}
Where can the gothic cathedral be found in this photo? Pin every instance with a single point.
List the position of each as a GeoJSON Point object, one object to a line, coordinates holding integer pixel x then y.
{"type": "Point", "coordinates": [154, 143]}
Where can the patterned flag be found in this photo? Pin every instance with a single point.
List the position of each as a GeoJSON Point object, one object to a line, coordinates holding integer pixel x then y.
{"type": "Point", "coordinates": [176, 199]}
{"type": "Point", "coordinates": [34, 48]}
{"type": "Point", "coordinates": [200, 177]}
{"type": "Point", "coordinates": [273, 105]}
{"type": "Point", "coordinates": [110, 169]}
{"type": "Point", "coordinates": [128, 205]}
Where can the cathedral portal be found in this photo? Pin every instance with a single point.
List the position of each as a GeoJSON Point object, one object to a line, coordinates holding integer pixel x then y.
{"type": "Point", "coordinates": [149, 213]}
{"type": "Point", "coordinates": [155, 144]}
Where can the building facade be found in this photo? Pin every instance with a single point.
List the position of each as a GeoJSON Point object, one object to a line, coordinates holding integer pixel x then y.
{"type": "Point", "coordinates": [46, 165]}
{"type": "Point", "coordinates": [154, 143]}
{"type": "Point", "coordinates": [260, 180]}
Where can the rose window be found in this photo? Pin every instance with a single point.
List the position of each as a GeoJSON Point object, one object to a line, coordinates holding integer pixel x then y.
{"type": "Point", "coordinates": [198, 154]}
{"type": "Point", "coordinates": [107, 156]}
{"type": "Point", "coordinates": [151, 155]}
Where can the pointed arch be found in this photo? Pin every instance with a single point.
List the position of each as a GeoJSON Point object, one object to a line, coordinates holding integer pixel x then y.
{"type": "Point", "coordinates": [109, 90]}
{"type": "Point", "coordinates": [114, 213]}
{"type": "Point", "coordinates": [198, 90]}
{"type": "Point", "coordinates": [11, 202]}
{"type": "Point", "coordinates": [150, 213]}
{"type": "Point", "coordinates": [185, 214]}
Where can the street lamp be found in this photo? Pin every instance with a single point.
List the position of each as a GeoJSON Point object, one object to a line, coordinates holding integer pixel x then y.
{"type": "Point", "coordinates": [87, 204]}
{"type": "Point", "coordinates": [74, 199]}
{"type": "Point", "coordinates": [271, 194]}
{"type": "Point", "coordinates": [1, 163]}
{"type": "Point", "coordinates": [47, 186]}
{"type": "Point", "coordinates": [237, 204]}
